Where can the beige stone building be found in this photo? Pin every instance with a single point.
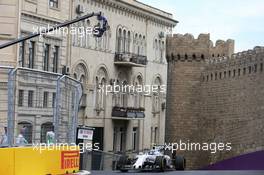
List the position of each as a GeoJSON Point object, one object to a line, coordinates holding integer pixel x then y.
{"type": "Point", "coordinates": [132, 52]}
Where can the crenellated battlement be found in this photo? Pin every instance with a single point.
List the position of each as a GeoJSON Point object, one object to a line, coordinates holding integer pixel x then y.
{"type": "Point", "coordinates": [249, 56]}
{"type": "Point", "coordinates": [238, 65]}
{"type": "Point", "coordinates": [222, 48]}
{"type": "Point", "coordinates": [186, 47]}
{"type": "Point", "coordinates": [256, 51]}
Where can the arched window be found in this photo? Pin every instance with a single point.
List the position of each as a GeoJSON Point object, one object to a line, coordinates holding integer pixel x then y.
{"type": "Point", "coordinates": [124, 94]}
{"type": "Point", "coordinates": [135, 42]}
{"type": "Point", "coordinates": [81, 73]}
{"type": "Point", "coordinates": [81, 33]}
{"type": "Point", "coordinates": [82, 78]}
{"type": "Point", "coordinates": [179, 56]}
{"type": "Point", "coordinates": [87, 36]}
{"type": "Point", "coordinates": [105, 40]}
{"type": "Point", "coordinates": [156, 44]}
{"type": "Point", "coordinates": [156, 106]}
{"type": "Point", "coordinates": [99, 42]}
{"type": "Point", "coordinates": [107, 36]}
{"type": "Point", "coordinates": [162, 52]}
{"type": "Point", "coordinates": [119, 40]}
{"type": "Point", "coordinates": [25, 129]}
{"type": "Point", "coordinates": [109, 32]}
{"type": "Point", "coordinates": [144, 46]}
{"type": "Point", "coordinates": [156, 48]}
{"type": "Point", "coordinates": [159, 50]}
{"type": "Point", "coordinates": [124, 41]}
{"type": "Point", "coordinates": [139, 45]}
{"type": "Point", "coordinates": [116, 95]}
{"type": "Point", "coordinates": [101, 81]}
{"type": "Point", "coordinates": [138, 96]}
{"type": "Point", "coordinates": [75, 76]}
{"type": "Point", "coordinates": [97, 91]}
{"type": "Point", "coordinates": [102, 94]}
{"type": "Point", "coordinates": [128, 41]}
{"type": "Point", "coordinates": [122, 90]}
{"type": "Point", "coordinates": [45, 127]}
{"type": "Point", "coordinates": [75, 36]}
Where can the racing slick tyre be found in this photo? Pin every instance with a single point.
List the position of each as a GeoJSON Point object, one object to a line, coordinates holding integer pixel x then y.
{"type": "Point", "coordinates": [161, 162]}
{"type": "Point", "coordinates": [180, 163]}
{"type": "Point", "coordinates": [122, 161]}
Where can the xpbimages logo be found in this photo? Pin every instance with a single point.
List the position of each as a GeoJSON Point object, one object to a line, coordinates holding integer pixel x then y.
{"type": "Point", "coordinates": [191, 146]}
{"type": "Point", "coordinates": [65, 146]}
{"type": "Point", "coordinates": [79, 31]}
{"type": "Point", "coordinates": [140, 89]}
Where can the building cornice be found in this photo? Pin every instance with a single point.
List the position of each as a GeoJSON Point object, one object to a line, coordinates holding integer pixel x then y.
{"type": "Point", "coordinates": [139, 11]}
{"type": "Point", "coordinates": [27, 15]}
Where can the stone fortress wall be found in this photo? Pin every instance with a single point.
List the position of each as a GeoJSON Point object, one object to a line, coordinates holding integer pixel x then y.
{"type": "Point", "coordinates": [215, 96]}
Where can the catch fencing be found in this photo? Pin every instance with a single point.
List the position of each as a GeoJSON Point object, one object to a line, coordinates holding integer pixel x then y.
{"type": "Point", "coordinates": [35, 102]}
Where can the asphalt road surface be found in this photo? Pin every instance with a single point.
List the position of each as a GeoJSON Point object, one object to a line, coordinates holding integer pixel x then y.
{"type": "Point", "coordinates": [182, 173]}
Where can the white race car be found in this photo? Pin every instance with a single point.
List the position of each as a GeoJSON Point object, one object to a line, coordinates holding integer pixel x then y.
{"type": "Point", "coordinates": [154, 159]}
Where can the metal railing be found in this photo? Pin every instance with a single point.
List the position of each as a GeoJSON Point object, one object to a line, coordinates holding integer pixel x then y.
{"type": "Point", "coordinates": [128, 112]}
{"type": "Point", "coordinates": [130, 57]}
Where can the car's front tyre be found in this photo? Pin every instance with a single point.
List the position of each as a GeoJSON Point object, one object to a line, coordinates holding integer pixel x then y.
{"type": "Point", "coordinates": [121, 163]}
{"type": "Point", "coordinates": [161, 163]}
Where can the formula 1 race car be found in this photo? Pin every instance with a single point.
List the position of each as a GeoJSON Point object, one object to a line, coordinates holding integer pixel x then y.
{"type": "Point", "coordinates": [154, 159]}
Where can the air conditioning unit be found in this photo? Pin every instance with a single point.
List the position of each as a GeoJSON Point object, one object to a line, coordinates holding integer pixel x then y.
{"type": "Point", "coordinates": [79, 9]}
{"type": "Point", "coordinates": [65, 70]}
{"type": "Point", "coordinates": [161, 34]}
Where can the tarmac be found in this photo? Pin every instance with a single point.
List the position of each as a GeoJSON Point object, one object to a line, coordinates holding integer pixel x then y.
{"type": "Point", "coordinates": [183, 173]}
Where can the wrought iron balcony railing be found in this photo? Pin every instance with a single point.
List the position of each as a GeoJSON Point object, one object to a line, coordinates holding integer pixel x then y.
{"type": "Point", "coordinates": [130, 59]}
{"type": "Point", "coordinates": [128, 112]}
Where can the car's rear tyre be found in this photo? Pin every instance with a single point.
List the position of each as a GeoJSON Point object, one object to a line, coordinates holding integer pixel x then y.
{"type": "Point", "coordinates": [180, 163]}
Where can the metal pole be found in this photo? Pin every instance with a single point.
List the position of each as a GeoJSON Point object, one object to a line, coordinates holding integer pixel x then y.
{"type": "Point", "coordinates": [57, 110]}
{"type": "Point", "coordinates": [11, 107]}
{"type": "Point", "coordinates": [32, 35]}
{"type": "Point", "coordinates": [78, 96]}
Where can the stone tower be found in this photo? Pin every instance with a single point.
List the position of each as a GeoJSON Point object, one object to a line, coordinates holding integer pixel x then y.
{"type": "Point", "coordinates": [186, 58]}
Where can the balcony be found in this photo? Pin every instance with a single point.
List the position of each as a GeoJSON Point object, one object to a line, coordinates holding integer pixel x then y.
{"type": "Point", "coordinates": [130, 59]}
{"type": "Point", "coordinates": [128, 113]}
